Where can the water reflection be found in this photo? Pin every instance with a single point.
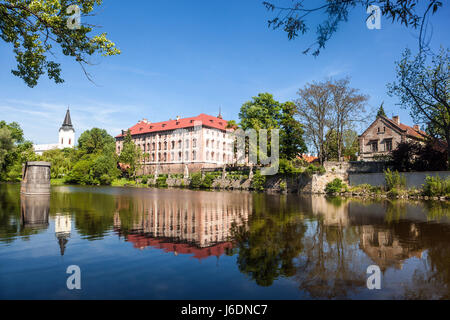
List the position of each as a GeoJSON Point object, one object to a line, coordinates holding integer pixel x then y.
{"type": "Point", "coordinates": [191, 223]}
{"type": "Point", "coordinates": [322, 246]}
{"type": "Point", "coordinates": [35, 211]}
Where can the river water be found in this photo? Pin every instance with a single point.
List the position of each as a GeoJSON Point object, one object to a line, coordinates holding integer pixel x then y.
{"type": "Point", "coordinates": [179, 244]}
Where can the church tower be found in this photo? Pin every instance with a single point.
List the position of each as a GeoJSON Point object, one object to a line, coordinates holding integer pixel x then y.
{"type": "Point", "coordinates": [67, 133]}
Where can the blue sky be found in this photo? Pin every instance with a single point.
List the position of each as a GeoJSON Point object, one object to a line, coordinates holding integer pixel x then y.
{"type": "Point", "coordinates": [187, 57]}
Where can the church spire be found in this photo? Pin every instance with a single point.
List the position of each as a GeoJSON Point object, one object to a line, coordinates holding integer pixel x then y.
{"type": "Point", "coordinates": [67, 120]}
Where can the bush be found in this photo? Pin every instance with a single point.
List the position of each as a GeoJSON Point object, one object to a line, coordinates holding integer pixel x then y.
{"type": "Point", "coordinates": [208, 181]}
{"type": "Point", "coordinates": [312, 169]}
{"type": "Point", "coordinates": [196, 180]}
{"type": "Point", "coordinates": [394, 180]}
{"type": "Point", "coordinates": [258, 181]}
{"type": "Point", "coordinates": [436, 187]}
{"type": "Point", "coordinates": [161, 181]}
{"type": "Point", "coordinates": [286, 167]}
{"type": "Point", "coordinates": [144, 179]}
{"type": "Point", "coordinates": [335, 186]}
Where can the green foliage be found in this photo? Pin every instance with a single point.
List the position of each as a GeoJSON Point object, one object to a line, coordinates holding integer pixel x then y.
{"type": "Point", "coordinates": [258, 181]}
{"type": "Point", "coordinates": [96, 141]}
{"type": "Point", "coordinates": [196, 180]}
{"type": "Point", "coordinates": [394, 180]}
{"type": "Point", "coordinates": [130, 155]}
{"type": "Point", "coordinates": [208, 181]}
{"type": "Point", "coordinates": [286, 167]}
{"type": "Point", "coordinates": [14, 151]}
{"type": "Point", "coordinates": [336, 186]}
{"type": "Point", "coordinates": [291, 133]}
{"type": "Point", "coordinates": [436, 187]}
{"type": "Point", "coordinates": [412, 156]}
{"type": "Point", "coordinates": [35, 27]}
{"type": "Point", "coordinates": [312, 169]}
{"type": "Point", "coordinates": [292, 16]}
{"type": "Point", "coordinates": [381, 112]}
{"type": "Point", "coordinates": [422, 87]}
{"type": "Point", "coordinates": [161, 181]}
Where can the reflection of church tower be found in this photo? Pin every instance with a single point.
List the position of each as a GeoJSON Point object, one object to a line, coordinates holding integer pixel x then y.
{"type": "Point", "coordinates": [67, 133]}
{"type": "Point", "coordinates": [63, 226]}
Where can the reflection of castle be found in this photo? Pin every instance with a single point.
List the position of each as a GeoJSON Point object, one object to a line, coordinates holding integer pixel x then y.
{"type": "Point", "coordinates": [63, 227]}
{"type": "Point", "coordinates": [196, 223]}
{"type": "Point", "coordinates": [385, 248]}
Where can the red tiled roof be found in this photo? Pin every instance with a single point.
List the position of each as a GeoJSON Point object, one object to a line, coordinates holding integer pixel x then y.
{"type": "Point", "coordinates": [206, 120]}
{"type": "Point", "coordinates": [308, 158]}
{"type": "Point", "coordinates": [419, 134]}
{"type": "Point", "coordinates": [140, 242]}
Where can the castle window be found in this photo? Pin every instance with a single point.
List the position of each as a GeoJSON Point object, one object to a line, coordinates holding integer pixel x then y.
{"type": "Point", "coordinates": [62, 140]}
{"type": "Point", "coordinates": [374, 146]}
{"type": "Point", "coordinates": [70, 141]}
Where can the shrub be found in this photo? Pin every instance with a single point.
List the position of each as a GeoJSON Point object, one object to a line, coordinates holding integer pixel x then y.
{"type": "Point", "coordinates": [283, 186]}
{"type": "Point", "coordinates": [258, 181]}
{"type": "Point", "coordinates": [312, 169]}
{"type": "Point", "coordinates": [161, 182]}
{"type": "Point", "coordinates": [335, 186]}
{"type": "Point", "coordinates": [144, 179]}
{"type": "Point", "coordinates": [196, 180]}
{"type": "Point", "coordinates": [208, 181]}
{"type": "Point", "coordinates": [286, 167]}
{"type": "Point", "coordinates": [436, 187]}
{"type": "Point", "coordinates": [394, 180]}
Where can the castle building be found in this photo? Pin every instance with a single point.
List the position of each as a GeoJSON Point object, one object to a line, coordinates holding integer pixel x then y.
{"type": "Point", "coordinates": [66, 137]}
{"type": "Point", "coordinates": [172, 146]}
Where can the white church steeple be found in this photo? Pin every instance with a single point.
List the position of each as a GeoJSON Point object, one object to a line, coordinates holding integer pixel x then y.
{"type": "Point", "coordinates": [67, 133]}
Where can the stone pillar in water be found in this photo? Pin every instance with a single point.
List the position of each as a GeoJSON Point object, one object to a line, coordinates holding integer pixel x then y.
{"type": "Point", "coordinates": [35, 178]}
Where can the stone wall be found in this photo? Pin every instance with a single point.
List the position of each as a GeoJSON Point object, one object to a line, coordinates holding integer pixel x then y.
{"type": "Point", "coordinates": [413, 179]}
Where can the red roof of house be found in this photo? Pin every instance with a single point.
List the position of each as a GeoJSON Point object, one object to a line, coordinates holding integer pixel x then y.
{"type": "Point", "coordinates": [206, 120]}
{"type": "Point", "coordinates": [141, 241]}
{"type": "Point", "coordinates": [308, 158]}
{"type": "Point", "coordinates": [419, 134]}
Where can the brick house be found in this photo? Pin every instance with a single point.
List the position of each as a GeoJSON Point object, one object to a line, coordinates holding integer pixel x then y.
{"type": "Point", "coordinates": [384, 135]}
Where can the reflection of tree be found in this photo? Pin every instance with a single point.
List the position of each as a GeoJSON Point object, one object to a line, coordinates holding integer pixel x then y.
{"type": "Point", "coordinates": [433, 281]}
{"type": "Point", "coordinates": [94, 211]}
{"type": "Point", "coordinates": [9, 212]}
{"type": "Point", "coordinates": [327, 268]}
{"type": "Point", "coordinates": [268, 247]}
{"type": "Point", "coordinates": [437, 210]}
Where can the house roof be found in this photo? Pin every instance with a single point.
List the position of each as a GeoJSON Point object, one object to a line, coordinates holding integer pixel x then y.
{"type": "Point", "coordinates": [144, 126]}
{"type": "Point", "coordinates": [410, 131]}
{"type": "Point", "coordinates": [419, 134]}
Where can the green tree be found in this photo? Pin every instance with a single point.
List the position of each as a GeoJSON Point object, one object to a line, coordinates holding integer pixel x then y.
{"type": "Point", "coordinates": [130, 154]}
{"type": "Point", "coordinates": [96, 141]}
{"type": "Point", "coordinates": [381, 112]}
{"type": "Point", "coordinates": [262, 112]}
{"type": "Point", "coordinates": [291, 133]}
{"type": "Point", "coordinates": [293, 18]}
{"type": "Point", "coordinates": [35, 27]}
{"type": "Point", "coordinates": [14, 150]}
{"type": "Point", "coordinates": [423, 88]}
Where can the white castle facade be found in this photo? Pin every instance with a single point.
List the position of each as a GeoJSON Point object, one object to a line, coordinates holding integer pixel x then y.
{"type": "Point", "coordinates": [66, 137]}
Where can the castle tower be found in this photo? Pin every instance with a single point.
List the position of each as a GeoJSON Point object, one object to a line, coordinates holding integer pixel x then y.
{"type": "Point", "coordinates": [66, 133]}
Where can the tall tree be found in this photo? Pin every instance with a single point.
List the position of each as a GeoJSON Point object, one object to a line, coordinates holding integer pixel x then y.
{"type": "Point", "coordinates": [35, 27]}
{"type": "Point", "coordinates": [291, 133]}
{"type": "Point", "coordinates": [381, 112]}
{"type": "Point", "coordinates": [95, 141]}
{"type": "Point", "coordinates": [314, 111]}
{"type": "Point", "coordinates": [293, 18]}
{"type": "Point", "coordinates": [262, 112]}
{"type": "Point", "coordinates": [423, 87]}
{"type": "Point", "coordinates": [130, 155]}
{"type": "Point", "coordinates": [348, 110]}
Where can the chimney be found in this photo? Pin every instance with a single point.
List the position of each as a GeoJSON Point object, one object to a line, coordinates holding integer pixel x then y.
{"type": "Point", "coordinates": [396, 119]}
{"type": "Point", "coordinates": [178, 118]}
{"type": "Point", "coordinates": [416, 127]}
{"type": "Point", "coordinates": [144, 120]}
